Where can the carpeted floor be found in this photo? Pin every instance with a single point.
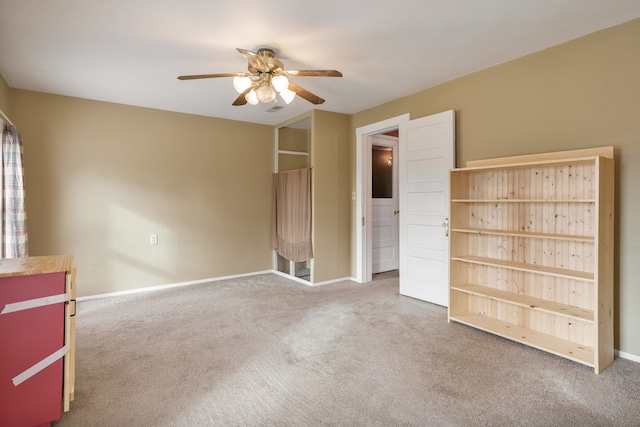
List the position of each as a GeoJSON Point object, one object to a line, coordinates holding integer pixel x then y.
{"type": "Point", "coordinates": [264, 351]}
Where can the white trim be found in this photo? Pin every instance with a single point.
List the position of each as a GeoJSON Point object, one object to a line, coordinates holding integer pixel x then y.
{"type": "Point", "coordinates": [328, 282]}
{"type": "Point", "coordinates": [172, 285]}
{"type": "Point", "coordinates": [306, 282]}
{"type": "Point", "coordinates": [276, 149]}
{"type": "Point", "coordinates": [363, 269]}
{"type": "Point", "coordinates": [214, 279]}
{"type": "Point", "coordinates": [628, 356]}
{"type": "Point", "coordinates": [290, 277]}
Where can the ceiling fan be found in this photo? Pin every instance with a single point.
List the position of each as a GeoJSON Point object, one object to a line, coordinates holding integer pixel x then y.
{"type": "Point", "coordinates": [266, 77]}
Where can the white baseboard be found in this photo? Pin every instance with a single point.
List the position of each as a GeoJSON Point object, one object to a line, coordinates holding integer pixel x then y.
{"type": "Point", "coordinates": [328, 282]}
{"type": "Point", "coordinates": [172, 285]}
{"type": "Point", "coordinates": [628, 356]}
{"type": "Point", "coordinates": [306, 282]}
{"type": "Point", "coordinates": [290, 277]}
{"type": "Point", "coordinates": [214, 279]}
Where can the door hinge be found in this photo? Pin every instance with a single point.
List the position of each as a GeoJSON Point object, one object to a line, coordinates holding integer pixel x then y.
{"type": "Point", "coordinates": [363, 221]}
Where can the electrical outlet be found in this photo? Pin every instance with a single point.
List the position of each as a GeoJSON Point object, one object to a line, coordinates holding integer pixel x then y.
{"type": "Point", "coordinates": [153, 239]}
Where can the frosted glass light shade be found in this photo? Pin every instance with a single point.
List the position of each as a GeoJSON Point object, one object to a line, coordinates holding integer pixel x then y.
{"type": "Point", "coordinates": [266, 93]}
{"type": "Point", "coordinates": [287, 95]}
{"type": "Point", "coordinates": [241, 83]}
{"type": "Point", "coordinates": [251, 97]}
{"type": "Point", "coordinates": [280, 83]}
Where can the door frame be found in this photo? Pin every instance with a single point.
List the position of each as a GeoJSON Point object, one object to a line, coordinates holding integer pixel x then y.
{"type": "Point", "coordinates": [363, 203]}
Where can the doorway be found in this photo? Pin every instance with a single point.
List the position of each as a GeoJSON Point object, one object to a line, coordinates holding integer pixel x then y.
{"type": "Point", "coordinates": [426, 152]}
{"type": "Point", "coordinates": [292, 149]}
{"type": "Point", "coordinates": [384, 202]}
{"type": "Point", "coordinates": [363, 203]}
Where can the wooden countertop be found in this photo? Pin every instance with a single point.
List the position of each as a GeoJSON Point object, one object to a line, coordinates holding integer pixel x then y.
{"type": "Point", "coordinates": [35, 265]}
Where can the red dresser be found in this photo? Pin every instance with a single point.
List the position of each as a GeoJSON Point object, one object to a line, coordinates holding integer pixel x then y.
{"type": "Point", "coordinates": [36, 335]}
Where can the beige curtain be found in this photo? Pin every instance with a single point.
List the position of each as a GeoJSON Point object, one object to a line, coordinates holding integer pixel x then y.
{"type": "Point", "coordinates": [291, 215]}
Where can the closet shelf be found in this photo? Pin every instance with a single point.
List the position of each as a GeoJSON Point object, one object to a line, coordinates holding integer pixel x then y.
{"type": "Point", "coordinates": [526, 301]}
{"type": "Point", "coordinates": [529, 268]}
{"type": "Point", "coordinates": [480, 231]}
{"type": "Point", "coordinates": [293, 153]}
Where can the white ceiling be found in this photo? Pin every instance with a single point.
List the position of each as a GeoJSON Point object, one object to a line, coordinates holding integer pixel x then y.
{"type": "Point", "coordinates": [131, 51]}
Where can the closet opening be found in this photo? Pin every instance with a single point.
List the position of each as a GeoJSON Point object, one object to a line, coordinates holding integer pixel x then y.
{"type": "Point", "coordinates": [293, 152]}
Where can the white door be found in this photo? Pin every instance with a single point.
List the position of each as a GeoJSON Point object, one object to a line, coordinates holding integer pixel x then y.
{"type": "Point", "coordinates": [384, 204]}
{"type": "Point", "coordinates": [426, 153]}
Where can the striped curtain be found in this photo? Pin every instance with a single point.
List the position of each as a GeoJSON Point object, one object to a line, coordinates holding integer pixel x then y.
{"type": "Point", "coordinates": [14, 216]}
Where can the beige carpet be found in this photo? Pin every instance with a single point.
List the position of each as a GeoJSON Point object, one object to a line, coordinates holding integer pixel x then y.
{"type": "Point", "coordinates": [264, 351]}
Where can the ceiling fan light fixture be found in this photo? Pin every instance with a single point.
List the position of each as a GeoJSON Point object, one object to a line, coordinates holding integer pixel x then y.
{"type": "Point", "coordinates": [266, 93]}
{"type": "Point", "coordinates": [280, 83]}
{"type": "Point", "coordinates": [266, 79]}
{"type": "Point", "coordinates": [241, 83]}
{"type": "Point", "coordinates": [287, 95]}
{"type": "Point", "coordinates": [251, 97]}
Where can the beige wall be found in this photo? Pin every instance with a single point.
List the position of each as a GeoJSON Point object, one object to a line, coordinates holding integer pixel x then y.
{"type": "Point", "coordinates": [585, 93]}
{"type": "Point", "coordinates": [4, 97]}
{"type": "Point", "coordinates": [290, 139]}
{"type": "Point", "coordinates": [101, 178]}
{"type": "Point", "coordinates": [331, 196]}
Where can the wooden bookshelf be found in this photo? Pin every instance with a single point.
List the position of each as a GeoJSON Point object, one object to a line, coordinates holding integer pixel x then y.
{"type": "Point", "coordinates": [531, 251]}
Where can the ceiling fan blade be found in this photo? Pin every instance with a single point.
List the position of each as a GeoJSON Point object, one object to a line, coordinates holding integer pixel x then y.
{"type": "Point", "coordinates": [320, 73]}
{"type": "Point", "coordinates": [210, 76]}
{"type": "Point", "coordinates": [303, 93]}
{"type": "Point", "coordinates": [254, 60]}
{"type": "Point", "coordinates": [241, 100]}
